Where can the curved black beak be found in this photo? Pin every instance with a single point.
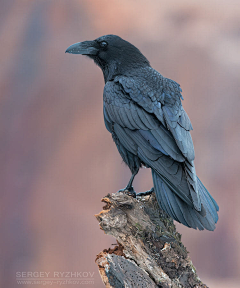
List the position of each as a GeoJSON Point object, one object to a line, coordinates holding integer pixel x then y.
{"type": "Point", "coordinates": [84, 48]}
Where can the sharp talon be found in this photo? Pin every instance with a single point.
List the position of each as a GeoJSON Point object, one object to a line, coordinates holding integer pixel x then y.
{"type": "Point", "coordinates": [122, 190]}
{"type": "Point", "coordinates": [149, 192]}
{"type": "Point", "coordinates": [129, 191]}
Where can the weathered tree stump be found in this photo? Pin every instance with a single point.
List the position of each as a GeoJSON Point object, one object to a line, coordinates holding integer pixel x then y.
{"type": "Point", "coordinates": [149, 251]}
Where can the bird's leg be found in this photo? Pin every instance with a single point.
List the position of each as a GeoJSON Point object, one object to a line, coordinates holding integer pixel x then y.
{"type": "Point", "coordinates": [129, 188]}
{"type": "Point", "coordinates": [149, 192]}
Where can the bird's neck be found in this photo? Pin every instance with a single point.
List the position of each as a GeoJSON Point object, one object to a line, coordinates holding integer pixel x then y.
{"type": "Point", "coordinates": [110, 71]}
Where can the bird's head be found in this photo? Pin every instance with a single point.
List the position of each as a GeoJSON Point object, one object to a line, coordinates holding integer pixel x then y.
{"type": "Point", "coordinates": [112, 54]}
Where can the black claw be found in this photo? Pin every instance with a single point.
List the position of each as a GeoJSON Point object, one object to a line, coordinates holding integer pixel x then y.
{"type": "Point", "coordinates": [149, 192]}
{"type": "Point", "coordinates": [129, 191]}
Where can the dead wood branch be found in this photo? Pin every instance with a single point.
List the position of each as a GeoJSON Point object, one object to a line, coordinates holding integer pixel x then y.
{"type": "Point", "coordinates": [149, 251]}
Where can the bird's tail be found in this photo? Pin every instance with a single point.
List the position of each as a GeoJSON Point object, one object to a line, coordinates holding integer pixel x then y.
{"type": "Point", "coordinates": [182, 212]}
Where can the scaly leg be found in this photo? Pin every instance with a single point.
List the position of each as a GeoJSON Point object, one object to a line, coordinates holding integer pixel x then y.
{"type": "Point", "coordinates": [129, 188]}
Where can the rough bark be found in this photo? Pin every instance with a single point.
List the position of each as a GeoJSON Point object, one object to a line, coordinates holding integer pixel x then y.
{"type": "Point", "coordinates": [149, 251]}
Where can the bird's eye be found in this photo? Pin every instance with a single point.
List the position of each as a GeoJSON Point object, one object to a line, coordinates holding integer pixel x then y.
{"type": "Point", "coordinates": [103, 44]}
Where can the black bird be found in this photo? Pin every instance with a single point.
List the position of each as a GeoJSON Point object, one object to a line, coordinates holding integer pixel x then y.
{"type": "Point", "coordinates": [143, 112]}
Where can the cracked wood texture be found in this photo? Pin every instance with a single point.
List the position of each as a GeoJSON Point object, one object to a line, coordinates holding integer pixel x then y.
{"type": "Point", "coordinates": [149, 251]}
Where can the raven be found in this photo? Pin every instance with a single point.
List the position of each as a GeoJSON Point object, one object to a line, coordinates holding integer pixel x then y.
{"type": "Point", "coordinates": [143, 112]}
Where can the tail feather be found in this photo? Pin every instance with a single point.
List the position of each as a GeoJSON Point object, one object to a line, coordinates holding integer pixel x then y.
{"type": "Point", "coordinates": [210, 202]}
{"type": "Point", "coordinates": [189, 216]}
{"type": "Point", "coordinates": [175, 212]}
{"type": "Point", "coordinates": [180, 211]}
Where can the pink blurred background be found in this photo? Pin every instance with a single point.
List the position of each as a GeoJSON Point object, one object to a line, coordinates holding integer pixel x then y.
{"type": "Point", "coordinates": [57, 158]}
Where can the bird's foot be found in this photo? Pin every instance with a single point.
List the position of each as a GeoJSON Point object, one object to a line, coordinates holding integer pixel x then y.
{"type": "Point", "coordinates": [149, 192]}
{"type": "Point", "coordinates": [129, 191]}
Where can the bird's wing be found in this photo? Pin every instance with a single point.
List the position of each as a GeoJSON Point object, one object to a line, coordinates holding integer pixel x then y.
{"type": "Point", "coordinates": [140, 132]}
{"type": "Point", "coordinates": [162, 97]}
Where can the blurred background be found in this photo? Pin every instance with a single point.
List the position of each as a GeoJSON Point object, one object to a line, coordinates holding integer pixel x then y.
{"type": "Point", "coordinates": [57, 158]}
